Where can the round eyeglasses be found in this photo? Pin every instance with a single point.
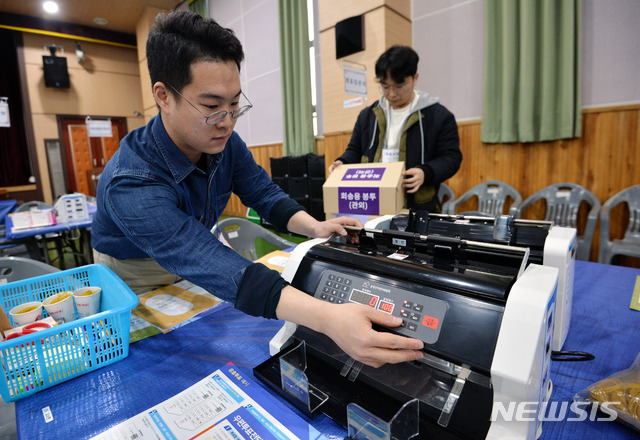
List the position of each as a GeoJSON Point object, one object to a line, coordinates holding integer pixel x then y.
{"type": "Point", "coordinates": [218, 116]}
{"type": "Point", "coordinates": [396, 88]}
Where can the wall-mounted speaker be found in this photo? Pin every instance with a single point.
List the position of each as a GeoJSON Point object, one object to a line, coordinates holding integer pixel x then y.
{"type": "Point", "coordinates": [55, 72]}
{"type": "Point", "coordinates": [349, 36]}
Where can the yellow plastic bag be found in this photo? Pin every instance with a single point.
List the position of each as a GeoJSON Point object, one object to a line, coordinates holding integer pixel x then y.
{"type": "Point", "coordinates": [619, 392]}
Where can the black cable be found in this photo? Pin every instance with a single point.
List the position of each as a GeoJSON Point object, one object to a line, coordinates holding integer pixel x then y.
{"type": "Point", "coordinates": [571, 356]}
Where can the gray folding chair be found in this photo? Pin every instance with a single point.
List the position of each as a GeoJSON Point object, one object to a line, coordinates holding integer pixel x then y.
{"type": "Point", "coordinates": [630, 244]}
{"type": "Point", "coordinates": [563, 202]}
{"type": "Point", "coordinates": [18, 268]}
{"type": "Point", "coordinates": [26, 206]}
{"type": "Point", "coordinates": [446, 196]}
{"type": "Point", "coordinates": [492, 196]}
{"type": "Point", "coordinates": [242, 234]}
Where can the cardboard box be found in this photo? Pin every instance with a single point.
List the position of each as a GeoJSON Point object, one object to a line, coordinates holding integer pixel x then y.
{"type": "Point", "coordinates": [364, 189]}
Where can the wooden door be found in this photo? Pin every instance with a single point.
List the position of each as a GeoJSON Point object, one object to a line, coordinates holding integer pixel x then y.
{"type": "Point", "coordinates": [85, 157]}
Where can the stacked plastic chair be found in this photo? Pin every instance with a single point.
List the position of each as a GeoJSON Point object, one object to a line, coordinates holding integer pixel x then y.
{"type": "Point", "coordinates": [492, 196]}
{"type": "Point", "coordinates": [563, 204]}
{"type": "Point", "coordinates": [629, 245]}
{"type": "Point", "coordinates": [445, 193]}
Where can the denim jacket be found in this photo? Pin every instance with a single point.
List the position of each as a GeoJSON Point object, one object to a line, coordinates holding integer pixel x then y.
{"type": "Point", "coordinates": [153, 202]}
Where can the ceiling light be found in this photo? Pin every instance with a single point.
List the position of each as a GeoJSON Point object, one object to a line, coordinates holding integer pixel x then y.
{"type": "Point", "coordinates": [101, 21]}
{"type": "Point", "coordinates": [50, 7]}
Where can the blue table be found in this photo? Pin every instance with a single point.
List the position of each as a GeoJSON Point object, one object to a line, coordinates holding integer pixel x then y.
{"type": "Point", "coordinates": [164, 365]}
{"type": "Point", "coordinates": [6, 208]}
{"type": "Point", "coordinates": [37, 237]}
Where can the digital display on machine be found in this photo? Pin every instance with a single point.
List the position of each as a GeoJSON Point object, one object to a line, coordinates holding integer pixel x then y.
{"type": "Point", "coordinates": [364, 298]}
{"type": "Point", "coordinates": [422, 314]}
{"type": "Point", "coordinates": [385, 306]}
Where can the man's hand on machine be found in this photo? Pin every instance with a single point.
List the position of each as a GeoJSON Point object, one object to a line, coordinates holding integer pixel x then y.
{"type": "Point", "coordinates": [303, 224]}
{"type": "Point", "coordinates": [350, 326]}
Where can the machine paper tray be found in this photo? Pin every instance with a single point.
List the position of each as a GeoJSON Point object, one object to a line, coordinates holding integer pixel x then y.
{"type": "Point", "coordinates": [383, 391]}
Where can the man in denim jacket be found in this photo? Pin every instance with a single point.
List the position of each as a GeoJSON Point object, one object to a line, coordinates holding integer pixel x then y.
{"type": "Point", "coordinates": [164, 189]}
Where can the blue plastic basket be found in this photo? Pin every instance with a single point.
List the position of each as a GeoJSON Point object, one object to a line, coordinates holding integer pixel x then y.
{"type": "Point", "coordinates": [40, 360]}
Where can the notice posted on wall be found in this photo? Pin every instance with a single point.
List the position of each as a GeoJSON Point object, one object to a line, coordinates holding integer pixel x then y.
{"type": "Point", "coordinates": [223, 406]}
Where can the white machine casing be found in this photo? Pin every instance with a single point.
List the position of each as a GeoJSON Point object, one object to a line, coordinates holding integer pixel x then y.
{"type": "Point", "coordinates": [560, 252]}
{"type": "Point", "coordinates": [72, 208]}
{"type": "Point", "coordinates": [520, 371]}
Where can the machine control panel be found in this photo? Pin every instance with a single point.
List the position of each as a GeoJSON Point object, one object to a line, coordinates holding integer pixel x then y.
{"type": "Point", "coordinates": [422, 316]}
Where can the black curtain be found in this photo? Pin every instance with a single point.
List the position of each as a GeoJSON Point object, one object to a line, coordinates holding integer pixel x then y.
{"type": "Point", "coordinates": [15, 166]}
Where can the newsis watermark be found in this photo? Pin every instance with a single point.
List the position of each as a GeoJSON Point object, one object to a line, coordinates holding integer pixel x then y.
{"type": "Point", "coordinates": [553, 411]}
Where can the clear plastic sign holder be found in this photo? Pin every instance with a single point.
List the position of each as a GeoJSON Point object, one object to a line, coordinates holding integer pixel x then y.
{"type": "Point", "coordinates": [454, 395]}
{"type": "Point", "coordinates": [352, 369]}
{"type": "Point", "coordinates": [363, 425]}
{"type": "Point", "coordinates": [293, 365]}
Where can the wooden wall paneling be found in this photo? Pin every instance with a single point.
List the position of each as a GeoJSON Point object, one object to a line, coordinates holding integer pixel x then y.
{"type": "Point", "coordinates": [470, 161]}
{"type": "Point", "coordinates": [148, 101]}
{"type": "Point", "coordinates": [603, 139]}
{"type": "Point", "coordinates": [142, 32]}
{"type": "Point", "coordinates": [626, 137]}
{"type": "Point", "coordinates": [149, 109]}
{"type": "Point", "coordinates": [332, 147]}
{"type": "Point", "coordinates": [111, 145]}
{"type": "Point", "coordinates": [262, 155]}
{"type": "Point", "coordinates": [81, 156]}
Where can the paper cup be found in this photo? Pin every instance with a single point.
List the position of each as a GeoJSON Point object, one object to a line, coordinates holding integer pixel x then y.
{"type": "Point", "coordinates": [87, 301]}
{"type": "Point", "coordinates": [26, 313]}
{"type": "Point", "coordinates": [60, 307]}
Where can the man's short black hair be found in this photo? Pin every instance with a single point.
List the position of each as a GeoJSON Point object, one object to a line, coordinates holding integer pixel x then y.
{"type": "Point", "coordinates": [398, 62]}
{"type": "Point", "coordinates": [179, 39]}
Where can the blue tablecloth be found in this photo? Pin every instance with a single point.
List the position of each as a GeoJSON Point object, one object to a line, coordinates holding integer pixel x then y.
{"type": "Point", "coordinates": [6, 208]}
{"type": "Point", "coordinates": [164, 365]}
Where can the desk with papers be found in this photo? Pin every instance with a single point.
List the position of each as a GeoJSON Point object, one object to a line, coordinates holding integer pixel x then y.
{"type": "Point", "coordinates": [36, 237]}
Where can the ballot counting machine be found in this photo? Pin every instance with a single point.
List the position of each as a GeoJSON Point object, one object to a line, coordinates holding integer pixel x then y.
{"type": "Point", "coordinates": [485, 315]}
{"type": "Point", "coordinates": [548, 244]}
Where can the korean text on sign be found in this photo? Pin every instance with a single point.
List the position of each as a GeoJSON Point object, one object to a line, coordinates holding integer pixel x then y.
{"type": "Point", "coordinates": [359, 200]}
{"type": "Point", "coordinates": [359, 174]}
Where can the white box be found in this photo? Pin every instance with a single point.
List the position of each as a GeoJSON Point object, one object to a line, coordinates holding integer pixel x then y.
{"type": "Point", "coordinates": [72, 208]}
